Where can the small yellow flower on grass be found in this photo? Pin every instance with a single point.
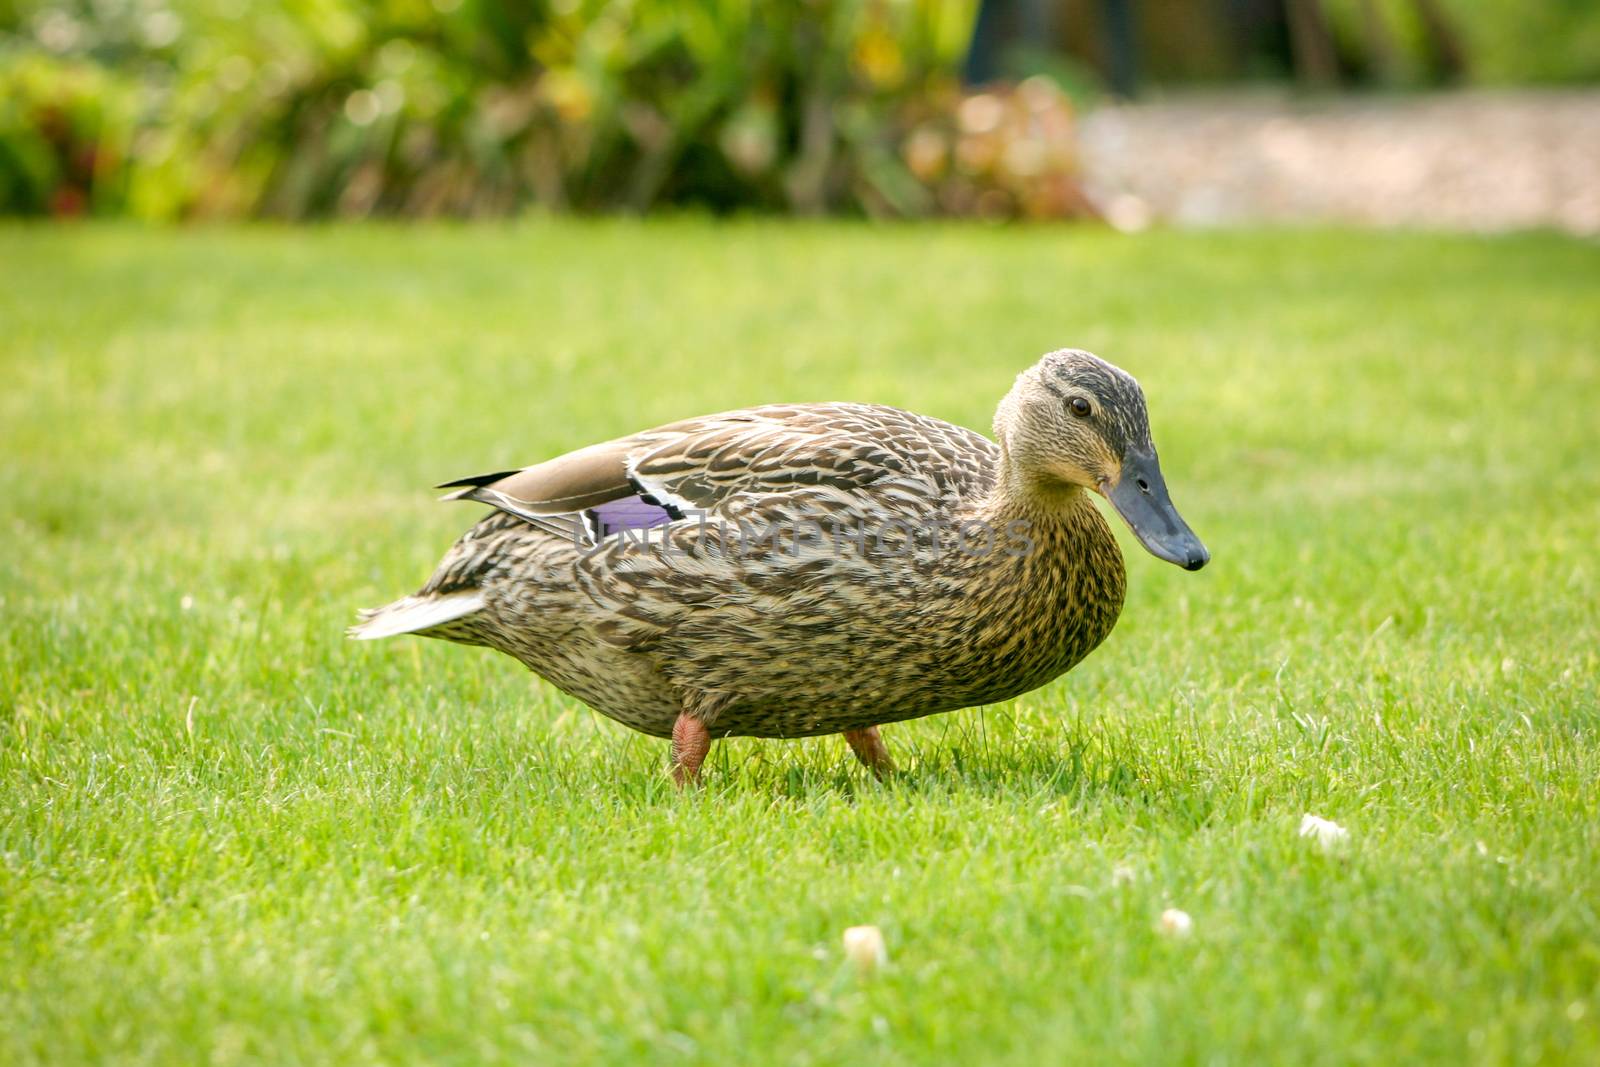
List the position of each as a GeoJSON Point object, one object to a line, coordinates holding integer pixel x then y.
{"type": "Point", "coordinates": [1175, 923]}
{"type": "Point", "coordinates": [1325, 832]}
{"type": "Point", "coordinates": [865, 948]}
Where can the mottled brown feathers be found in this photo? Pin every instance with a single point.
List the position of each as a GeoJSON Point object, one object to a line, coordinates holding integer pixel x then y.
{"type": "Point", "coordinates": [798, 635]}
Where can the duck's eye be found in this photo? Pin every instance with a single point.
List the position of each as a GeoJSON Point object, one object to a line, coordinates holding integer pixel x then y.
{"type": "Point", "coordinates": [1080, 407]}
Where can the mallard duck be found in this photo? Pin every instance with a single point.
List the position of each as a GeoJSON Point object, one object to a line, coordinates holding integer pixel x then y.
{"type": "Point", "coordinates": [803, 569]}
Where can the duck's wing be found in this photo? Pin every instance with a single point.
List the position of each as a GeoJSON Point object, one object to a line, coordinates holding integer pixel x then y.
{"type": "Point", "coordinates": [851, 470]}
{"type": "Point", "coordinates": [734, 463]}
{"type": "Point", "coordinates": [860, 467]}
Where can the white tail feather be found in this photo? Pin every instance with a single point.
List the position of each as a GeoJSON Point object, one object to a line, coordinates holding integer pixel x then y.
{"type": "Point", "coordinates": [413, 613]}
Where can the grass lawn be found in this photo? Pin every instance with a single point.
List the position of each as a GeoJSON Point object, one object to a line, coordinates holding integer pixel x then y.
{"type": "Point", "coordinates": [228, 835]}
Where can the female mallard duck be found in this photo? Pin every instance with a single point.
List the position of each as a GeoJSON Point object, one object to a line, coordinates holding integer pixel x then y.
{"type": "Point", "coordinates": [804, 569]}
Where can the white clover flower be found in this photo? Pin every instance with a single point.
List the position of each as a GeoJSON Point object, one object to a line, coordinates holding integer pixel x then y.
{"type": "Point", "coordinates": [864, 946]}
{"type": "Point", "coordinates": [1326, 832]}
{"type": "Point", "coordinates": [1175, 923]}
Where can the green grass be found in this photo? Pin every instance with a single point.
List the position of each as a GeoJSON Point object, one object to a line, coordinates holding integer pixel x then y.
{"type": "Point", "coordinates": [227, 835]}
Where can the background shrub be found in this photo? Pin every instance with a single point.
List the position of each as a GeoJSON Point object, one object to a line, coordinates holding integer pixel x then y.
{"type": "Point", "coordinates": [168, 109]}
{"type": "Point", "coordinates": [468, 107]}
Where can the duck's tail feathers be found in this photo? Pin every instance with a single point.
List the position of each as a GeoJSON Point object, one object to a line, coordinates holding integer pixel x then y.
{"type": "Point", "coordinates": [413, 614]}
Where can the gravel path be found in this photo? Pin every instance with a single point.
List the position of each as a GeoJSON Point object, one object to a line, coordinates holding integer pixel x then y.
{"type": "Point", "coordinates": [1470, 160]}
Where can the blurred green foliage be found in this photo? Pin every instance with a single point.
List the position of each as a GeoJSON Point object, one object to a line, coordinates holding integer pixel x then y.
{"type": "Point", "coordinates": [168, 108]}
{"type": "Point", "coordinates": [1545, 41]}
{"type": "Point", "coordinates": [1496, 42]}
{"type": "Point", "coordinates": [165, 109]}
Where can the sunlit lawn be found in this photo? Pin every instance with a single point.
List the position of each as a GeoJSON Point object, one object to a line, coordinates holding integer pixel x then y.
{"type": "Point", "coordinates": [228, 835]}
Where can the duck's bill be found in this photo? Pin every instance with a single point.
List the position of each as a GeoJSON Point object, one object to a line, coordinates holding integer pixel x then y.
{"type": "Point", "coordinates": [1140, 497]}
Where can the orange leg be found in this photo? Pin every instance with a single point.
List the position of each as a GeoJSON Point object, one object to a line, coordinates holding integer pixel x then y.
{"type": "Point", "coordinates": [690, 743]}
{"type": "Point", "coordinates": [871, 751]}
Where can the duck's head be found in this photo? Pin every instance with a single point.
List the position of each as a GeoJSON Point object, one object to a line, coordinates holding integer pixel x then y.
{"type": "Point", "coordinates": [1073, 421]}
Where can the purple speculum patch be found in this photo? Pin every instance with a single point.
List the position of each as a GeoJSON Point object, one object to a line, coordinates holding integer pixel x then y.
{"type": "Point", "coordinates": [629, 513]}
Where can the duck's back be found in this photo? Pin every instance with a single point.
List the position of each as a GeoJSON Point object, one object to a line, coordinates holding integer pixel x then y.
{"type": "Point", "coordinates": [754, 469]}
{"type": "Point", "coordinates": [885, 458]}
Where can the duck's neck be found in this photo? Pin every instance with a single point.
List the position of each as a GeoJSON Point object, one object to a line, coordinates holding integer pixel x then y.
{"type": "Point", "coordinates": [1023, 495]}
{"type": "Point", "coordinates": [1033, 610]}
{"type": "Point", "coordinates": [1064, 530]}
